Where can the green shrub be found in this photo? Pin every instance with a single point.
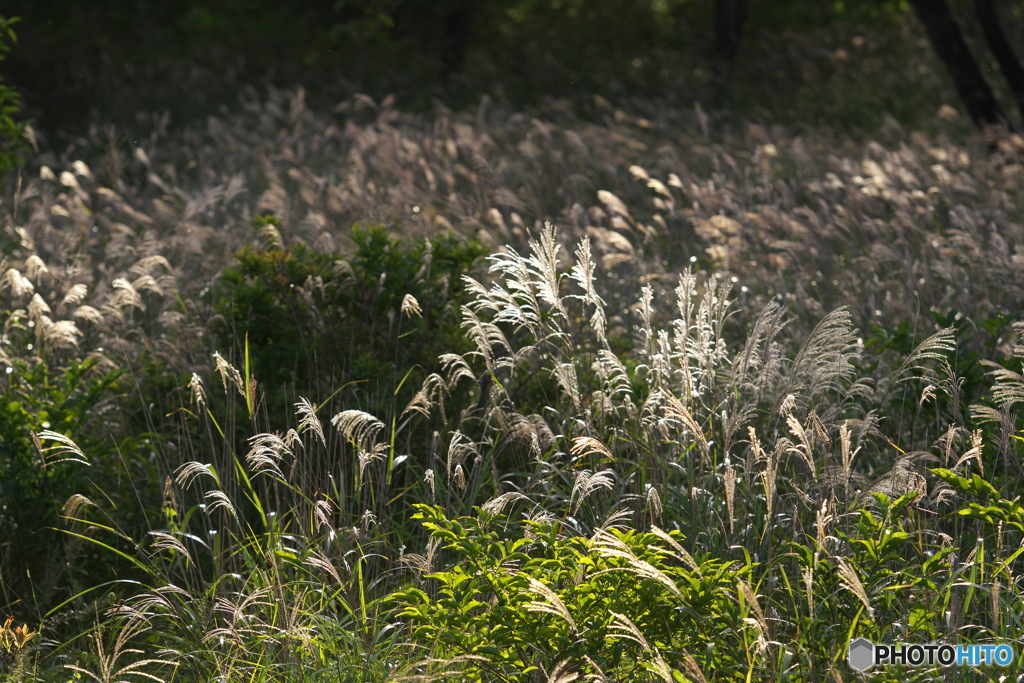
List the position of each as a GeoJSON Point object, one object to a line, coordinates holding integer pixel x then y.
{"type": "Point", "coordinates": [521, 600]}
{"type": "Point", "coordinates": [39, 407]}
{"type": "Point", "coordinates": [316, 322]}
{"type": "Point", "coordinates": [13, 143]}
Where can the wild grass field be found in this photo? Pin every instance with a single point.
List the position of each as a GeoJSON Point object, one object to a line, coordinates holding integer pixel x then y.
{"type": "Point", "coordinates": [570, 394]}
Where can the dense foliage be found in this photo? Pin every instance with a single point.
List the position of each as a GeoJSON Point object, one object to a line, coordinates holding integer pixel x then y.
{"type": "Point", "coordinates": [14, 144]}
{"type": "Point", "coordinates": [375, 316]}
{"type": "Point", "coordinates": [600, 391]}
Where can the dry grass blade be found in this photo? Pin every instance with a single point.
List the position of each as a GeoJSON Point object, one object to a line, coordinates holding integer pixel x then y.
{"type": "Point", "coordinates": [423, 564]}
{"type": "Point", "coordinates": [803, 446]}
{"type": "Point", "coordinates": [543, 262]}
{"type": "Point", "coordinates": [217, 500]}
{"type": "Point", "coordinates": [270, 237]}
{"type": "Point", "coordinates": [307, 412]}
{"type": "Point", "coordinates": [676, 409]}
{"type": "Point", "coordinates": [37, 308]}
{"type": "Point", "coordinates": [583, 274]}
{"type": "Point", "coordinates": [17, 284]}
{"type": "Point", "coordinates": [74, 505]}
{"type": "Point", "coordinates": [826, 359]}
{"type": "Point", "coordinates": [808, 576]}
{"type": "Point", "coordinates": [617, 520]}
{"type": "Point", "coordinates": [75, 295]}
{"type": "Point", "coordinates": [192, 470]}
{"type": "Point", "coordinates": [127, 296]}
{"type": "Point", "coordinates": [62, 334]}
{"type": "Point", "coordinates": [606, 544]}
{"type": "Point", "coordinates": [367, 458]}
{"type": "Point", "coordinates": [660, 668]}
{"type": "Point", "coordinates": [937, 347]}
{"type": "Point", "coordinates": [612, 372]}
{"type": "Point", "coordinates": [751, 600]}
{"type": "Point", "coordinates": [628, 630]}
{"type": "Point", "coordinates": [197, 391]}
{"type": "Point", "coordinates": [851, 582]}
{"type": "Point", "coordinates": [973, 453]}
{"type": "Point", "coordinates": [899, 480]}
{"type": "Point", "coordinates": [560, 675]}
{"type": "Point", "coordinates": [266, 453]}
{"type": "Point", "coordinates": [681, 553]}
{"type": "Point", "coordinates": [691, 669]}
{"type": "Point", "coordinates": [654, 507]}
{"type": "Point", "coordinates": [551, 603]}
{"type": "Point", "coordinates": [730, 496]}
{"type": "Point", "coordinates": [165, 541]}
{"type": "Point", "coordinates": [228, 373]}
{"type": "Point", "coordinates": [455, 368]}
{"type": "Point", "coordinates": [430, 394]}
{"type": "Point", "coordinates": [429, 480]}
{"type": "Point", "coordinates": [322, 514]}
{"type": "Point", "coordinates": [583, 446]}
{"type": "Point", "coordinates": [599, 675]}
{"type": "Point", "coordinates": [496, 506]}
{"type": "Point", "coordinates": [450, 668]}
{"type": "Point", "coordinates": [616, 205]}
{"type": "Point", "coordinates": [318, 560]}
{"type": "Point", "coordinates": [1008, 389]}
{"type": "Point", "coordinates": [411, 307]}
{"type": "Point", "coordinates": [568, 381]}
{"type": "Point", "coordinates": [588, 482]}
{"type": "Point", "coordinates": [143, 606]}
{"type": "Point", "coordinates": [358, 427]}
{"type": "Point", "coordinates": [65, 450]}
{"type": "Point", "coordinates": [107, 662]}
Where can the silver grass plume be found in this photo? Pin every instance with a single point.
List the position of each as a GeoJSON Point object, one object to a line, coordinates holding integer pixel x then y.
{"type": "Point", "coordinates": [309, 421]}
{"type": "Point", "coordinates": [825, 361]}
{"type": "Point", "coordinates": [584, 446]}
{"type": "Point", "coordinates": [583, 274]}
{"type": "Point", "coordinates": [586, 483]}
{"type": "Point", "coordinates": [410, 306]}
{"type": "Point", "coordinates": [550, 603]}
{"type": "Point", "coordinates": [568, 382]}
{"type": "Point", "coordinates": [497, 505]}
{"type": "Point", "coordinates": [74, 296]}
{"type": "Point", "coordinates": [197, 391]}
{"type": "Point", "coordinates": [228, 373]}
{"type": "Point", "coordinates": [65, 449]}
{"type": "Point", "coordinates": [678, 552]}
{"type": "Point", "coordinates": [851, 582]}
{"type": "Point", "coordinates": [606, 544]}
{"type": "Point", "coordinates": [358, 427]}
{"type": "Point", "coordinates": [265, 454]}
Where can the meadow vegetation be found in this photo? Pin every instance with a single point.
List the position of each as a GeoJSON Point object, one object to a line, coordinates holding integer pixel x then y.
{"type": "Point", "coordinates": [570, 393]}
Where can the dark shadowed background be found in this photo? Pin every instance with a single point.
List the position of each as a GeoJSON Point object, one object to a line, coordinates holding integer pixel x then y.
{"type": "Point", "coordinates": [119, 62]}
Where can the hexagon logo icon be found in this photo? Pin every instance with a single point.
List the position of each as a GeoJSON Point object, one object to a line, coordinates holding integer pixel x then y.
{"type": "Point", "coordinates": [862, 654]}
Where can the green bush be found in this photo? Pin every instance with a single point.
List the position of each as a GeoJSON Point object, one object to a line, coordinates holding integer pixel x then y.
{"type": "Point", "coordinates": [521, 600]}
{"type": "Point", "coordinates": [316, 322]}
{"type": "Point", "coordinates": [13, 143]}
{"type": "Point", "coordinates": [39, 471]}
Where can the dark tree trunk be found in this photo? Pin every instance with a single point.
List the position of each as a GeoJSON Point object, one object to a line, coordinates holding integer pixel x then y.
{"type": "Point", "coordinates": [1001, 49]}
{"type": "Point", "coordinates": [730, 16]}
{"type": "Point", "coordinates": [949, 45]}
